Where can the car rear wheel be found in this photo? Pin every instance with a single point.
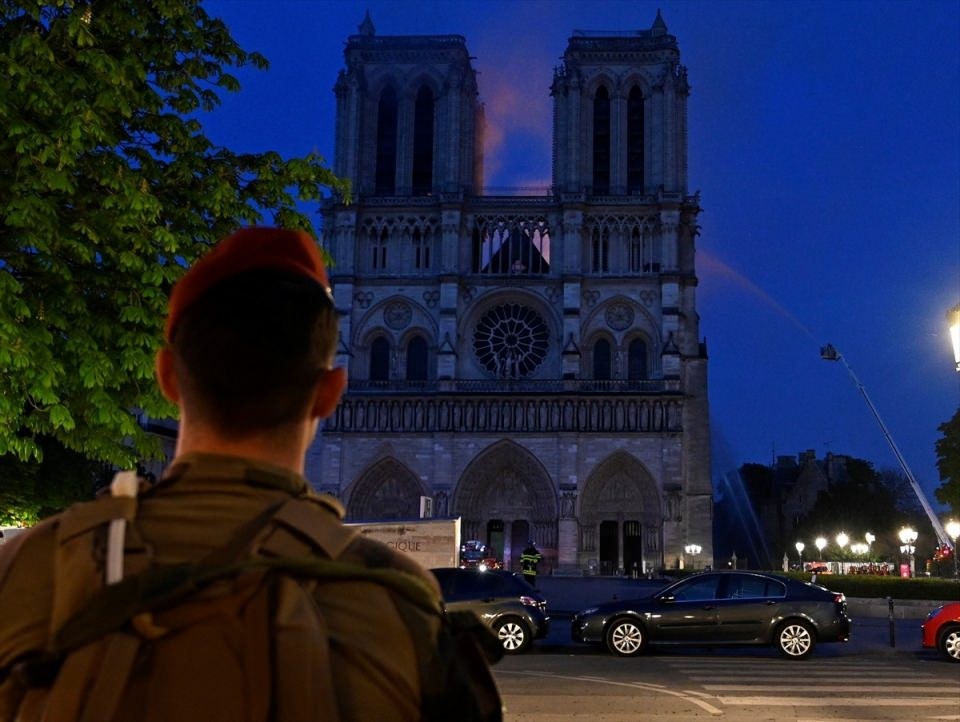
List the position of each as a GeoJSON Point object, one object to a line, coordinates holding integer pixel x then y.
{"type": "Point", "coordinates": [795, 639]}
{"type": "Point", "coordinates": [950, 643]}
{"type": "Point", "coordinates": [625, 638]}
{"type": "Point", "coordinates": [513, 635]}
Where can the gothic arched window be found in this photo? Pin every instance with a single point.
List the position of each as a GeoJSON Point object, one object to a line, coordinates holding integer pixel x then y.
{"type": "Point", "coordinates": [602, 360]}
{"type": "Point", "coordinates": [636, 250]}
{"type": "Point", "coordinates": [600, 250]}
{"type": "Point", "coordinates": [417, 359]}
{"type": "Point", "coordinates": [386, 173]}
{"type": "Point", "coordinates": [380, 359]}
{"type": "Point", "coordinates": [423, 143]}
{"type": "Point", "coordinates": [635, 141]}
{"type": "Point", "coordinates": [601, 142]}
{"type": "Point", "coordinates": [421, 249]}
{"type": "Point", "coordinates": [378, 248]}
{"type": "Point", "coordinates": [637, 360]}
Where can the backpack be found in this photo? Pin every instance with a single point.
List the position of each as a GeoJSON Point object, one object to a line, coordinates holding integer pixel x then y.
{"type": "Point", "coordinates": [235, 636]}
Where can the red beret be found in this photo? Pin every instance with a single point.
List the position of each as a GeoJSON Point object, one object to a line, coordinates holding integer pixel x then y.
{"type": "Point", "coordinates": [246, 250]}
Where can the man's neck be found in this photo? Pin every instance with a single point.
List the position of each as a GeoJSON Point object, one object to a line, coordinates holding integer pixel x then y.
{"type": "Point", "coordinates": [287, 452]}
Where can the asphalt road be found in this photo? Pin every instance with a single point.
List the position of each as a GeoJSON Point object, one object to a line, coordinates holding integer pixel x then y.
{"type": "Point", "coordinates": [836, 684]}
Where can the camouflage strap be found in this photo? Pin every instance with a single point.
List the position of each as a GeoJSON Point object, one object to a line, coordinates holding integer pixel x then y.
{"type": "Point", "coordinates": [114, 606]}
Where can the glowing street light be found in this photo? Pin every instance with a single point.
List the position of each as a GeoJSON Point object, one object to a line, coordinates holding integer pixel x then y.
{"type": "Point", "coordinates": [800, 545]}
{"type": "Point", "coordinates": [870, 538]}
{"type": "Point", "coordinates": [842, 540]}
{"type": "Point", "coordinates": [821, 544]}
{"type": "Point", "coordinates": [693, 550]}
{"type": "Point", "coordinates": [859, 548]}
{"type": "Point", "coordinates": [953, 319]}
{"type": "Point", "coordinates": [953, 529]}
{"type": "Point", "coordinates": [908, 537]}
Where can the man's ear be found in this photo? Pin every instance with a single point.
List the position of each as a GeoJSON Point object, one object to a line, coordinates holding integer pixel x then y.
{"type": "Point", "coordinates": [327, 392]}
{"type": "Point", "coordinates": [166, 376]}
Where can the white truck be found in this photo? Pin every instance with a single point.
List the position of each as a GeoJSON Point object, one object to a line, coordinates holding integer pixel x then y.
{"type": "Point", "coordinates": [434, 543]}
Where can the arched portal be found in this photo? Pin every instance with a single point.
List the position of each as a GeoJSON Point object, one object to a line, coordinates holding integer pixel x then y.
{"type": "Point", "coordinates": [505, 498]}
{"type": "Point", "coordinates": [387, 490]}
{"type": "Point", "coordinates": [620, 517]}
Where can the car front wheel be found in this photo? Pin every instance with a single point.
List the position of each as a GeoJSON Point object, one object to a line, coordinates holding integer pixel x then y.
{"type": "Point", "coordinates": [950, 643]}
{"type": "Point", "coordinates": [625, 638]}
{"type": "Point", "coordinates": [795, 639]}
{"type": "Point", "coordinates": [513, 635]}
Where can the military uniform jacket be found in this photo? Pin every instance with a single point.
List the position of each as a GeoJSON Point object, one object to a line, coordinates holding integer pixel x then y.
{"type": "Point", "coordinates": [199, 504]}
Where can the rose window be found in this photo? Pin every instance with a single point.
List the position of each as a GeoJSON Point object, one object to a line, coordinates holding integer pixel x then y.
{"type": "Point", "coordinates": [511, 340]}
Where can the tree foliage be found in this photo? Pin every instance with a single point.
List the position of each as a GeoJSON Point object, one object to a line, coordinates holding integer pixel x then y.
{"type": "Point", "coordinates": [108, 189]}
{"type": "Point", "coordinates": [867, 501]}
{"type": "Point", "coordinates": [31, 492]}
{"type": "Point", "coordinates": [948, 463]}
{"type": "Point", "coordinates": [858, 499]}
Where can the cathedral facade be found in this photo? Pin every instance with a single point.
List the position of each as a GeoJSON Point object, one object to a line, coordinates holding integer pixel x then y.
{"type": "Point", "coordinates": [530, 363]}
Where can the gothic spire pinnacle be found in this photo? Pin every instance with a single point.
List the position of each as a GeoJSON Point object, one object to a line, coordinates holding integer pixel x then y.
{"type": "Point", "coordinates": [366, 27]}
{"type": "Point", "coordinates": [659, 27]}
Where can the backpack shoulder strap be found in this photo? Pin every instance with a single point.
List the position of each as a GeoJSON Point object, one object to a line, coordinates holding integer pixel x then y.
{"type": "Point", "coordinates": [91, 538]}
{"type": "Point", "coordinates": [304, 526]}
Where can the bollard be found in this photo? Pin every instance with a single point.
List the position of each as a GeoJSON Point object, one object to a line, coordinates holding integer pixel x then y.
{"type": "Point", "coordinates": [893, 629]}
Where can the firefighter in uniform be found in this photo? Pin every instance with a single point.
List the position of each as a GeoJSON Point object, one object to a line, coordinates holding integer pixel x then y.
{"type": "Point", "coordinates": [528, 562]}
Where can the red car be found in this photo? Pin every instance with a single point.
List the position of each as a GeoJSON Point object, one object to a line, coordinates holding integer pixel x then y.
{"type": "Point", "coordinates": [941, 630]}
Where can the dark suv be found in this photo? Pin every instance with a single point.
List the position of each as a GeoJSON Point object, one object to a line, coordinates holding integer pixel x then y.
{"type": "Point", "coordinates": [502, 599]}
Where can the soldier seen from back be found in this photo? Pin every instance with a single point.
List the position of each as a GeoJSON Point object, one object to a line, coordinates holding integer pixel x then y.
{"type": "Point", "coordinates": [229, 590]}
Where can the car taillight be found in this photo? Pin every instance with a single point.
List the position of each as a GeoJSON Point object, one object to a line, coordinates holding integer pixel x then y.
{"type": "Point", "coordinates": [838, 598]}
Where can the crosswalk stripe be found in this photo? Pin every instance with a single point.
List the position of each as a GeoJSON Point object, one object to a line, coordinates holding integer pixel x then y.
{"type": "Point", "coordinates": [699, 674]}
{"type": "Point", "coordinates": [789, 666]}
{"type": "Point", "coordinates": [837, 701]}
{"type": "Point", "coordinates": [822, 691]}
{"type": "Point", "coordinates": [839, 685]}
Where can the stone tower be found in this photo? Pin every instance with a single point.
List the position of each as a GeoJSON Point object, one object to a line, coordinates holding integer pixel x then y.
{"type": "Point", "coordinates": [532, 363]}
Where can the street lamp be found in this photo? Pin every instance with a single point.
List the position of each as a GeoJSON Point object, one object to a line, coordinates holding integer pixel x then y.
{"type": "Point", "coordinates": [953, 529]}
{"type": "Point", "coordinates": [800, 545]}
{"type": "Point", "coordinates": [953, 319]}
{"type": "Point", "coordinates": [908, 537]}
{"type": "Point", "coordinates": [870, 538]}
{"type": "Point", "coordinates": [859, 548]}
{"type": "Point", "coordinates": [841, 539]}
{"type": "Point", "coordinates": [821, 544]}
{"type": "Point", "coordinates": [693, 550]}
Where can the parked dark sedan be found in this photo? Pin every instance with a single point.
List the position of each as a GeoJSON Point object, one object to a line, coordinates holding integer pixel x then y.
{"type": "Point", "coordinates": [502, 599]}
{"type": "Point", "coordinates": [721, 608]}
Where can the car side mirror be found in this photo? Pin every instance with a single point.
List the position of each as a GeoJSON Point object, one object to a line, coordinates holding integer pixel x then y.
{"type": "Point", "coordinates": [666, 599]}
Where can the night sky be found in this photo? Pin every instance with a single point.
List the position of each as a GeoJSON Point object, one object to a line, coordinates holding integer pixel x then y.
{"type": "Point", "coordinates": [824, 138]}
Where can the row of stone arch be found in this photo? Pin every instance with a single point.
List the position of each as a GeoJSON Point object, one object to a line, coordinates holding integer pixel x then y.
{"type": "Point", "coordinates": [507, 481]}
